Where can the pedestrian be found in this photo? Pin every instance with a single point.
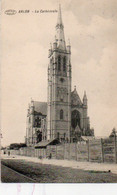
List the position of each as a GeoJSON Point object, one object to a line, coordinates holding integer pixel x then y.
{"type": "Point", "coordinates": [50, 156]}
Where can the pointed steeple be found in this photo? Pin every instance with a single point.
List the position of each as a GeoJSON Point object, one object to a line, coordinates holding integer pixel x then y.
{"type": "Point", "coordinates": [32, 106]}
{"type": "Point", "coordinates": [85, 96]}
{"type": "Point", "coordinates": [60, 38]}
{"type": "Point", "coordinates": [59, 20]}
{"type": "Point", "coordinates": [50, 50]}
{"type": "Point", "coordinates": [75, 88]}
{"type": "Point", "coordinates": [85, 99]}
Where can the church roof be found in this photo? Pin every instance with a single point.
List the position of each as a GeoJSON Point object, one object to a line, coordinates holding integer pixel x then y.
{"type": "Point", "coordinates": [40, 107]}
{"type": "Point", "coordinates": [75, 99]}
{"type": "Point", "coordinates": [44, 144]}
{"type": "Point", "coordinates": [86, 138]}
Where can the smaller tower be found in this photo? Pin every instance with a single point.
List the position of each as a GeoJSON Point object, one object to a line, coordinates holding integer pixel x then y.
{"type": "Point", "coordinates": [85, 107]}
{"type": "Point", "coordinates": [68, 46]}
{"type": "Point", "coordinates": [86, 122]}
{"type": "Point", "coordinates": [32, 106]}
{"type": "Point", "coordinates": [85, 99]}
{"type": "Point", "coordinates": [50, 50]}
{"type": "Point", "coordinates": [30, 122]}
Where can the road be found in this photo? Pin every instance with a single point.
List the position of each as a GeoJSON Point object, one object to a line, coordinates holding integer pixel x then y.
{"type": "Point", "coordinates": [8, 175]}
{"type": "Point", "coordinates": [29, 169]}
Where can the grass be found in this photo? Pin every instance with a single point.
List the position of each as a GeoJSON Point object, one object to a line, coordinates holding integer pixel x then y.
{"type": "Point", "coordinates": [55, 174]}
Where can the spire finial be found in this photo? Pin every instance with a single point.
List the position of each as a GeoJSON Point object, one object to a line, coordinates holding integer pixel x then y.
{"type": "Point", "coordinates": [51, 46]}
{"type": "Point", "coordinates": [55, 38]}
{"type": "Point", "coordinates": [74, 87]}
{"type": "Point", "coordinates": [59, 21]}
{"type": "Point", "coordinates": [85, 96]}
{"type": "Point", "coordinates": [68, 41]}
{"type": "Point", "coordinates": [32, 101]}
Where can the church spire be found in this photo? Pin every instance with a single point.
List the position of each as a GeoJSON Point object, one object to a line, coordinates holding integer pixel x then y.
{"type": "Point", "coordinates": [85, 96]}
{"type": "Point", "coordinates": [60, 31]}
{"type": "Point", "coordinates": [85, 99]}
{"type": "Point", "coordinates": [59, 21]}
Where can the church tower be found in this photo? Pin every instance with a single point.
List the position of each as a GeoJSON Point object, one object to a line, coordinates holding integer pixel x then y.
{"type": "Point", "coordinates": [59, 86]}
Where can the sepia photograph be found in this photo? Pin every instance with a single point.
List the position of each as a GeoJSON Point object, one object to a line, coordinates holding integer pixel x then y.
{"type": "Point", "coordinates": [59, 92]}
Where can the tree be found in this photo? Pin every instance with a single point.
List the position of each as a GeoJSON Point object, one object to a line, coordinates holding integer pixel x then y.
{"type": "Point", "coordinates": [113, 133]}
{"type": "Point", "coordinates": [16, 146]}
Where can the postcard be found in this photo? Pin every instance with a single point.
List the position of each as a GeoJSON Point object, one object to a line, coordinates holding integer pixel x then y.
{"type": "Point", "coordinates": [58, 95]}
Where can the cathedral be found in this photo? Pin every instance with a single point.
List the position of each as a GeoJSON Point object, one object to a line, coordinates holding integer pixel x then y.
{"type": "Point", "coordinates": [64, 115]}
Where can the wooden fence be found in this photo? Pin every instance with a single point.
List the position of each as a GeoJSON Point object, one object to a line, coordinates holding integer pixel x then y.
{"type": "Point", "coordinates": [97, 150]}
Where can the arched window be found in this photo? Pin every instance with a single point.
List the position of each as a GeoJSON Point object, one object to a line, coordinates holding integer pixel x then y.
{"type": "Point", "coordinates": [61, 114]}
{"type": "Point", "coordinates": [59, 62]}
{"type": "Point", "coordinates": [64, 63]}
{"type": "Point", "coordinates": [37, 122]}
{"type": "Point", "coordinates": [75, 118]}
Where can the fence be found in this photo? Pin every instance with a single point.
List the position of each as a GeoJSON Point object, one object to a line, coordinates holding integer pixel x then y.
{"type": "Point", "coordinates": [97, 150]}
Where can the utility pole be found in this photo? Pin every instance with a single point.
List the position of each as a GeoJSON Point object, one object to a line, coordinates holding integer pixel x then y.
{"type": "Point", "coordinates": [0, 152]}
{"type": "Point", "coordinates": [115, 146]}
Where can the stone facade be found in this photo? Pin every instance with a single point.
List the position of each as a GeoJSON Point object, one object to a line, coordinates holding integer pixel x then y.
{"type": "Point", "coordinates": [64, 115]}
{"type": "Point", "coordinates": [36, 122]}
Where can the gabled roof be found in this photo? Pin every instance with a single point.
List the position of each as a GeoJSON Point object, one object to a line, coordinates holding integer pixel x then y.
{"type": "Point", "coordinates": [85, 138]}
{"type": "Point", "coordinates": [77, 129]}
{"type": "Point", "coordinates": [75, 99]}
{"type": "Point", "coordinates": [40, 107]}
{"type": "Point", "coordinates": [44, 144]}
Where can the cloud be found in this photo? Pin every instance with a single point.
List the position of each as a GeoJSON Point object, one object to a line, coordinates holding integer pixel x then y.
{"type": "Point", "coordinates": [84, 10]}
{"type": "Point", "coordinates": [89, 41]}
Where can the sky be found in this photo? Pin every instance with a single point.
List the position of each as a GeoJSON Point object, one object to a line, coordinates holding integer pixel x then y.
{"type": "Point", "coordinates": [91, 27]}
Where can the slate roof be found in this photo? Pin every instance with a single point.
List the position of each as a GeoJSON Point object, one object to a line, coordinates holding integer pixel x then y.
{"type": "Point", "coordinates": [40, 107]}
{"type": "Point", "coordinates": [44, 144]}
{"type": "Point", "coordinates": [85, 138]}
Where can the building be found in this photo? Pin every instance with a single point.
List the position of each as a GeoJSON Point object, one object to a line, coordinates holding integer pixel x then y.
{"type": "Point", "coordinates": [64, 116]}
{"type": "Point", "coordinates": [36, 122]}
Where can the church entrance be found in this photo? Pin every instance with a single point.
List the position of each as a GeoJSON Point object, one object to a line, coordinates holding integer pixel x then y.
{"type": "Point", "coordinates": [75, 119]}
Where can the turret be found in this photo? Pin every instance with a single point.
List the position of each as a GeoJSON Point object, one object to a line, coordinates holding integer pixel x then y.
{"type": "Point", "coordinates": [85, 99]}
{"type": "Point", "coordinates": [69, 47]}
{"type": "Point", "coordinates": [75, 89]}
{"type": "Point", "coordinates": [32, 107]}
{"type": "Point", "coordinates": [55, 44]}
{"type": "Point", "coordinates": [50, 50]}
